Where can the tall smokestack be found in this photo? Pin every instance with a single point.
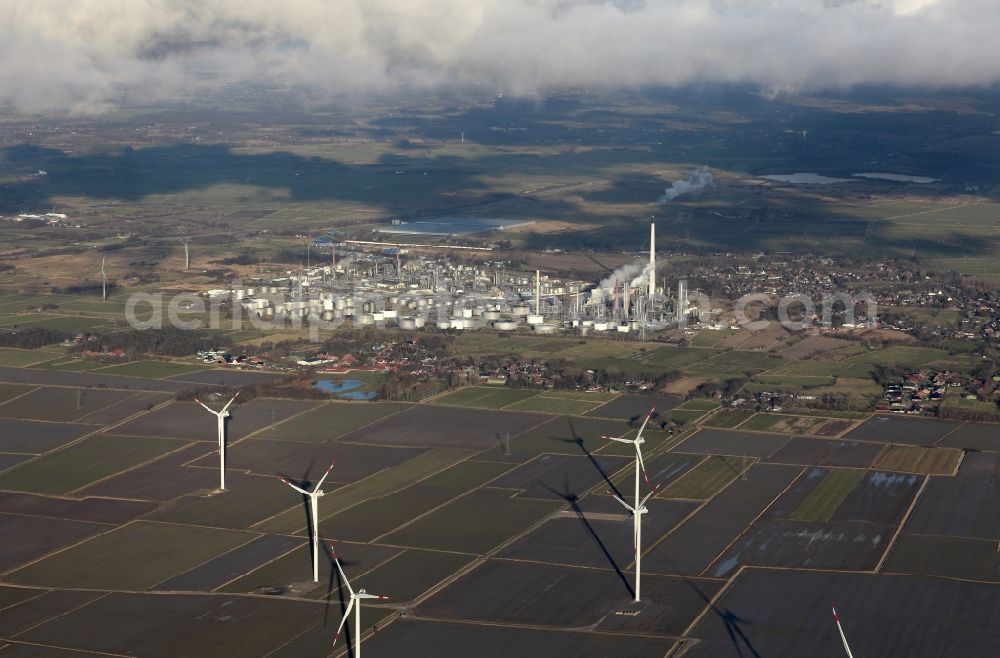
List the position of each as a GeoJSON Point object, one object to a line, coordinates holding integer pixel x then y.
{"type": "Point", "coordinates": [625, 300]}
{"type": "Point", "coordinates": [333, 256]}
{"type": "Point", "coordinates": [538, 292]}
{"type": "Point", "coordinates": [652, 260]}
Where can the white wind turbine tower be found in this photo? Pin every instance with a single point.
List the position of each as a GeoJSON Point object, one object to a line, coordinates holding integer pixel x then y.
{"type": "Point", "coordinates": [355, 603]}
{"type": "Point", "coordinates": [104, 283]}
{"type": "Point", "coordinates": [840, 628]}
{"type": "Point", "coordinates": [314, 496]}
{"type": "Point", "coordinates": [639, 507]}
{"type": "Point", "coordinates": [221, 415]}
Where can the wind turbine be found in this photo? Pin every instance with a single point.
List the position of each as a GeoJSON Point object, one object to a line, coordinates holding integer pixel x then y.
{"type": "Point", "coordinates": [314, 496]}
{"type": "Point", "coordinates": [221, 415]}
{"type": "Point", "coordinates": [840, 628]}
{"type": "Point", "coordinates": [187, 253]}
{"type": "Point", "coordinates": [104, 283]}
{"type": "Point", "coordinates": [638, 508]}
{"type": "Point", "coordinates": [356, 598]}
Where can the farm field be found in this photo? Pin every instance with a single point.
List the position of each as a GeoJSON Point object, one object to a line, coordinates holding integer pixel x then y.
{"type": "Point", "coordinates": [461, 510]}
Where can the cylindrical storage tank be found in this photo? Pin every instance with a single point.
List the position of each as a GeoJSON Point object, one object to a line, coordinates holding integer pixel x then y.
{"type": "Point", "coordinates": [622, 328]}
{"type": "Point", "coordinates": [458, 323]}
{"type": "Point", "coordinates": [408, 323]}
{"type": "Point", "coordinates": [466, 312]}
{"type": "Point", "coordinates": [443, 324]}
{"type": "Point", "coordinates": [600, 326]}
{"type": "Point", "coordinates": [520, 310]}
{"type": "Point", "coordinates": [262, 303]}
{"type": "Point", "coordinates": [328, 305]}
{"type": "Point", "coordinates": [545, 328]}
{"type": "Point", "coordinates": [584, 331]}
{"type": "Point", "coordinates": [241, 294]}
{"type": "Point", "coordinates": [536, 319]}
{"type": "Point", "coordinates": [390, 314]}
{"type": "Point", "coordinates": [378, 316]}
{"type": "Point", "coordinates": [349, 312]}
{"type": "Point", "coordinates": [421, 321]}
{"type": "Point", "coordinates": [633, 325]}
{"type": "Point", "coordinates": [505, 325]}
{"type": "Point", "coordinates": [491, 316]}
{"type": "Point", "coordinates": [367, 318]}
{"type": "Point", "coordinates": [587, 323]}
{"type": "Point", "coordinates": [251, 291]}
{"type": "Point", "coordinates": [341, 303]}
{"type": "Point", "coordinates": [327, 315]}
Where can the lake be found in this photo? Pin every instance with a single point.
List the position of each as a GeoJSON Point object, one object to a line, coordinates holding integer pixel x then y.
{"type": "Point", "coordinates": [804, 178]}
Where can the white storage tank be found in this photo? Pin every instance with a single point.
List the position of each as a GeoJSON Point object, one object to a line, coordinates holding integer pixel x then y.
{"type": "Point", "coordinates": [443, 324]}
{"type": "Point", "coordinates": [622, 328]}
{"type": "Point", "coordinates": [390, 314]}
{"type": "Point", "coordinates": [545, 328]}
{"type": "Point", "coordinates": [600, 326]}
{"type": "Point", "coordinates": [491, 316]}
{"type": "Point", "coordinates": [408, 323]}
{"type": "Point", "coordinates": [367, 318]}
{"type": "Point", "coordinates": [536, 319]}
{"type": "Point", "coordinates": [505, 325]}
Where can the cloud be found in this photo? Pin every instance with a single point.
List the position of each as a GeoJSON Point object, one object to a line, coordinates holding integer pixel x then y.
{"type": "Point", "coordinates": [85, 55]}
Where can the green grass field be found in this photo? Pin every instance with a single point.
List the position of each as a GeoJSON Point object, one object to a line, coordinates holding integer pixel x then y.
{"type": "Point", "coordinates": [554, 405]}
{"type": "Point", "coordinates": [824, 500]}
{"type": "Point", "coordinates": [331, 421]}
{"type": "Point", "coordinates": [485, 397]}
{"type": "Point", "coordinates": [152, 369]}
{"type": "Point", "coordinates": [19, 358]}
{"type": "Point", "coordinates": [920, 460]}
{"type": "Point", "coordinates": [707, 478]}
{"type": "Point", "coordinates": [425, 466]}
{"type": "Point", "coordinates": [135, 557]}
{"type": "Point", "coordinates": [735, 362]}
{"type": "Point", "coordinates": [727, 419]}
{"type": "Point", "coordinates": [84, 463]}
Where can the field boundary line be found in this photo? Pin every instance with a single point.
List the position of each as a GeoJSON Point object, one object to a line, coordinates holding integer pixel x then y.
{"type": "Point", "coordinates": [130, 469]}
{"type": "Point", "coordinates": [902, 524]}
{"type": "Point", "coordinates": [957, 427]}
{"type": "Point", "coordinates": [62, 614]}
{"type": "Point", "coordinates": [28, 392]}
{"type": "Point", "coordinates": [101, 429]}
{"type": "Point", "coordinates": [746, 528]}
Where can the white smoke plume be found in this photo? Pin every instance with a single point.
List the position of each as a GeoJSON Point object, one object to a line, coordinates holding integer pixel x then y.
{"type": "Point", "coordinates": [698, 180]}
{"type": "Point", "coordinates": [89, 55]}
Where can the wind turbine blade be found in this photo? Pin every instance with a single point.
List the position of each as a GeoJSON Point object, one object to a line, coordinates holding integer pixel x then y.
{"type": "Point", "coordinates": [648, 496]}
{"type": "Point", "coordinates": [207, 408]}
{"type": "Point", "coordinates": [336, 561]}
{"type": "Point", "coordinates": [231, 401]}
{"type": "Point", "coordinates": [372, 596]}
{"type": "Point", "coordinates": [320, 483]}
{"type": "Point", "coordinates": [616, 438]}
{"type": "Point", "coordinates": [623, 503]}
{"type": "Point", "coordinates": [642, 464]}
{"type": "Point", "coordinates": [643, 428]}
{"type": "Point", "coordinates": [347, 615]}
{"type": "Point", "coordinates": [840, 628]}
{"type": "Point", "coordinates": [297, 488]}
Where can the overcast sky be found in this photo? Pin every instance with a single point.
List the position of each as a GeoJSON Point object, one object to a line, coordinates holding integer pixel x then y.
{"type": "Point", "coordinates": [89, 55]}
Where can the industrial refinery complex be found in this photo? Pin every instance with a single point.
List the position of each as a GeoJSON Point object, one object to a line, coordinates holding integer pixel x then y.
{"type": "Point", "coordinates": [393, 287]}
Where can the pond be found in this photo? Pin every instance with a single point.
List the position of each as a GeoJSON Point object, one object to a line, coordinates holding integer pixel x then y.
{"type": "Point", "coordinates": [344, 389]}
